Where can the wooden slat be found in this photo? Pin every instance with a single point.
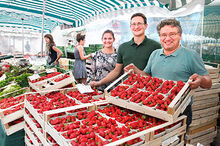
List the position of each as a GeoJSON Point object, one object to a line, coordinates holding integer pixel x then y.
{"type": "Point", "coordinates": [14, 128]}
{"type": "Point", "coordinates": [206, 101]}
{"type": "Point", "coordinates": [34, 128]}
{"type": "Point", "coordinates": [31, 136]}
{"type": "Point", "coordinates": [205, 112]}
{"type": "Point", "coordinates": [195, 98]}
{"type": "Point", "coordinates": [34, 113]}
{"type": "Point", "coordinates": [201, 127]}
{"type": "Point", "coordinates": [198, 134]}
{"type": "Point", "coordinates": [207, 92]}
{"type": "Point", "coordinates": [203, 106]}
{"type": "Point", "coordinates": [179, 95]}
{"type": "Point", "coordinates": [158, 141]}
{"type": "Point", "coordinates": [214, 86]}
{"type": "Point", "coordinates": [204, 137]}
{"type": "Point", "coordinates": [203, 120]}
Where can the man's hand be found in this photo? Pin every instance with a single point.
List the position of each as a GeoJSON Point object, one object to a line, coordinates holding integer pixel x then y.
{"type": "Point", "coordinates": [94, 84]}
{"type": "Point", "coordinates": [196, 81]}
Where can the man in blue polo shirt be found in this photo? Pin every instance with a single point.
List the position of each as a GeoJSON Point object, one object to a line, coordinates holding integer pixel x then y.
{"type": "Point", "coordinates": [174, 62]}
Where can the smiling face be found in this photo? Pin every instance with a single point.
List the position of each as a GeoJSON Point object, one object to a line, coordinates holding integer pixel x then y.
{"type": "Point", "coordinates": [108, 40]}
{"type": "Point", "coordinates": [138, 26]}
{"type": "Point", "coordinates": [170, 37]}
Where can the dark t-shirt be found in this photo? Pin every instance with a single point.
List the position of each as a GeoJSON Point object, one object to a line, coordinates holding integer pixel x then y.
{"type": "Point", "coordinates": [52, 54]}
{"type": "Point", "coordinates": [130, 52]}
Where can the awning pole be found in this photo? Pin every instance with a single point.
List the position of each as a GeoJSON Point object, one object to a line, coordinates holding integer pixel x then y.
{"type": "Point", "coordinates": [42, 31]}
{"type": "Point", "coordinates": [22, 19]}
{"type": "Point", "coordinates": [201, 41]}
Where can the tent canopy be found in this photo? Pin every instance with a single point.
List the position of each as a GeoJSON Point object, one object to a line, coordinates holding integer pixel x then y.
{"type": "Point", "coordinates": [70, 12]}
{"type": "Point", "coordinates": [73, 12]}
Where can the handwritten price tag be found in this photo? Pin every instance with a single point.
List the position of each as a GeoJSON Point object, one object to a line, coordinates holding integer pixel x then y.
{"type": "Point", "coordinates": [34, 77]}
{"type": "Point", "coordinates": [84, 88]}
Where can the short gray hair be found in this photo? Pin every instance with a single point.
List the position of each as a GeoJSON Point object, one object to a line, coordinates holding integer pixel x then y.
{"type": "Point", "coordinates": [172, 22]}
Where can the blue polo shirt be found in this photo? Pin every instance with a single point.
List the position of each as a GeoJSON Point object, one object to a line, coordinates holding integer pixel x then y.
{"type": "Point", "coordinates": [179, 65]}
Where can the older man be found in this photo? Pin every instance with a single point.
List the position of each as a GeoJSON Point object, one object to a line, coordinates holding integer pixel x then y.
{"type": "Point", "coordinates": [174, 62]}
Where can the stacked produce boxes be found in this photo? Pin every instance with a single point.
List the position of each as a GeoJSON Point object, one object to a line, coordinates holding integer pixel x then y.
{"type": "Point", "coordinates": [203, 128]}
{"type": "Point", "coordinates": [12, 111]}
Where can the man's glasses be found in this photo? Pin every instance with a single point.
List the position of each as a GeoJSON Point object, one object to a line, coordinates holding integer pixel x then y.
{"type": "Point", "coordinates": [137, 24]}
{"type": "Point", "coordinates": [171, 35]}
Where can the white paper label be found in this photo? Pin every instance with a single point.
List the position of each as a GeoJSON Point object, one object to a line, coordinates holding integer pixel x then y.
{"type": "Point", "coordinates": [170, 140]}
{"type": "Point", "coordinates": [84, 88]}
{"type": "Point", "coordinates": [3, 77]}
{"type": "Point", "coordinates": [49, 71]}
{"type": "Point", "coordinates": [34, 77]}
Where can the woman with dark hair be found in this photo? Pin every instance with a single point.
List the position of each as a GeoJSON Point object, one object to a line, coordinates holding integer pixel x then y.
{"type": "Point", "coordinates": [104, 60]}
{"type": "Point", "coordinates": [79, 70]}
{"type": "Point", "coordinates": [52, 50]}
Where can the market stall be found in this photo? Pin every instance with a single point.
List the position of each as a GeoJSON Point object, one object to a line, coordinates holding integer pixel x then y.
{"type": "Point", "coordinates": [42, 105]}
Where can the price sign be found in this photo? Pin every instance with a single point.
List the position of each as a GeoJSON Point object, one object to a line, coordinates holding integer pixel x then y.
{"type": "Point", "coordinates": [84, 88]}
{"type": "Point", "coordinates": [34, 77]}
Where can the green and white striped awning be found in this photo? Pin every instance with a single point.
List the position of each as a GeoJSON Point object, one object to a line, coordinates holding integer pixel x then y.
{"type": "Point", "coordinates": [70, 12]}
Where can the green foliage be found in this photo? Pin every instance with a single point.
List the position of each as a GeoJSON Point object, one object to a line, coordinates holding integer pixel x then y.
{"type": "Point", "coordinates": [9, 90]}
{"type": "Point", "coordinates": [92, 48]}
{"type": "Point", "coordinates": [21, 80]}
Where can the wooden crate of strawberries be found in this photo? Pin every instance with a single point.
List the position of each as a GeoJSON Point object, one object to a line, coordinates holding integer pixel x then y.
{"type": "Point", "coordinates": [54, 80]}
{"type": "Point", "coordinates": [105, 124]}
{"type": "Point", "coordinates": [157, 97]}
{"type": "Point", "coordinates": [12, 112]}
{"type": "Point", "coordinates": [37, 103]}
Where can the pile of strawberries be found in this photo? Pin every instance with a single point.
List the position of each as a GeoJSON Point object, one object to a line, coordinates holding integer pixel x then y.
{"type": "Point", "coordinates": [45, 77]}
{"type": "Point", "coordinates": [107, 124]}
{"type": "Point", "coordinates": [12, 101]}
{"type": "Point", "coordinates": [62, 78]}
{"type": "Point", "coordinates": [148, 91]}
{"type": "Point", "coordinates": [87, 97]}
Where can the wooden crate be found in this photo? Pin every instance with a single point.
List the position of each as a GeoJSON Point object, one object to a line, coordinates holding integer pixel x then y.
{"type": "Point", "coordinates": [39, 117]}
{"type": "Point", "coordinates": [51, 131]}
{"type": "Point", "coordinates": [64, 63]}
{"type": "Point", "coordinates": [205, 112]}
{"type": "Point", "coordinates": [201, 133]}
{"type": "Point", "coordinates": [201, 127]}
{"type": "Point", "coordinates": [61, 141]}
{"type": "Point", "coordinates": [12, 117]}
{"type": "Point", "coordinates": [168, 138]}
{"type": "Point", "coordinates": [33, 111]}
{"type": "Point", "coordinates": [202, 92]}
{"type": "Point", "coordinates": [204, 120]}
{"type": "Point", "coordinates": [14, 128]}
{"type": "Point", "coordinates": [175, 108]}
{"type": "Point", "coordinates": [205, 139]}
{"type": "Point", "coordinates": [214, 73]}
{"type": "Point", "coordinates": [36, 130]}
{"type": "Point", "coordinates": [27, 142]}
{"type": "Point", "coordinates": [32, 137]}
{"type": "Point", "coordinates": [45, 86]}
{"type": "Point", "coordinates": [212, 69]}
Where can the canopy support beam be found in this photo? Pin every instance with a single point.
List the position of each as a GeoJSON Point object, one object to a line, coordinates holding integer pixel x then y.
{"type": "Point", "coordinates": [22, 19]}
{"type": "Point", "coordinates": [42, 31]}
